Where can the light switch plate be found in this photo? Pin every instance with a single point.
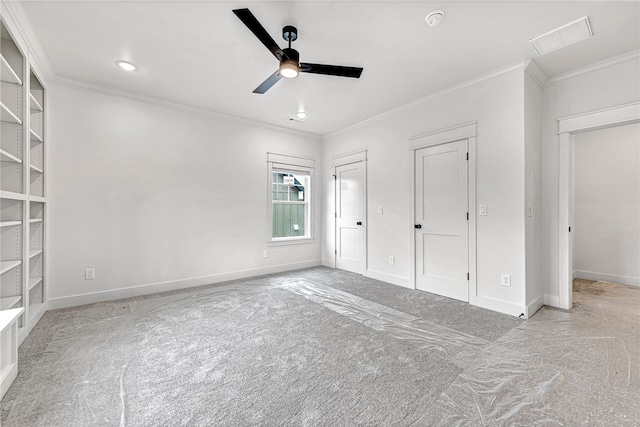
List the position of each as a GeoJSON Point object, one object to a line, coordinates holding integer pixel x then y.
{"type": "Point", "coordinates": [482, 210]}
{"type": "Point", "coordinates": [380, 210]}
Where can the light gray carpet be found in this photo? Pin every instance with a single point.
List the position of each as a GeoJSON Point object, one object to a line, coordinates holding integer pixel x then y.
{"type": "Point", "coordinates": [322, 347]}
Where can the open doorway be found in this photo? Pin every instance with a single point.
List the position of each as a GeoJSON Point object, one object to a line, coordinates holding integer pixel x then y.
{"type": "Point", "coordinates": [568, 128]}
{"type": "Point", "coordinates": [606, 207]}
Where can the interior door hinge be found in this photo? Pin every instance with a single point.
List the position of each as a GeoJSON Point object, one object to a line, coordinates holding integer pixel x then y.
{"type": "Point", "coordinates": [467, 156]}
{"type": "Point", "coordinates": [569, 229]}
{"type": "Point", "coordinates": [467, 216]}
{"type": "Point", "coordinates": [335, 177]}
{"type": "Point", "coordinates": [335, 214]}
{"type": "Point", "coordinates": [467, 276]}
{"type": "Point", "coordinates": [335, 251]}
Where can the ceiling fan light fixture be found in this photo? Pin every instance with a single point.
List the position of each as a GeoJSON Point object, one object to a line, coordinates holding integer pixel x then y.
{"type": "Point", "coordinates": [301, 114]}
{"type": "Point", "coordinates": [289, 69]}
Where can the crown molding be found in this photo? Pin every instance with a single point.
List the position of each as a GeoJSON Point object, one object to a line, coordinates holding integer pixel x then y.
{"type": "Point", "coordinates": [468, 84]}
{"type": "Point", "coordinates": [620, 59]}
{"type": "Point", "coordinates": [15, 13]}
{"type": "Point", "coordinates": [165, 103]}
{"type": "Point", "coordinates": [536, 73]}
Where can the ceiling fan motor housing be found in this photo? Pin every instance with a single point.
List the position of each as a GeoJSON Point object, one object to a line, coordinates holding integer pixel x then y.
{"type": "Point", "coordinates": [292, 54]}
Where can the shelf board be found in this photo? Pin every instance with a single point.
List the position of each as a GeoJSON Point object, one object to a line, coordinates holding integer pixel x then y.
{"type": "Point", "coordinates": [8, 115]}
{"type": "Point", "coordinates": [11, 195]}
{"type": "Point", "coordinates": [7, 317]}
{"type": "Point", "coordinates": [9, 302]}
{"type": "Point", "coordinates": [8, 74]}
{"type": "Point", "coordinates": [9, 223]}
{"type": "Point", "coordinates": [8, 157]}
{"type": "Point", "coordinates": [8, 265]}
{"type": "Point", "coordinates": [38, 199]}
{"type": "Point", "coordinates": [35, 169]}
{"type": "Point", "coordinates": [34, 281]}
{"type": "Point", "coordinates": [34, 136]}
{"type": "Point", "coordinates": [35, 106]}
{"type": "Point", "coordinates": [34, 252]}
{"type": "Point", "coordinates": [34, 220]}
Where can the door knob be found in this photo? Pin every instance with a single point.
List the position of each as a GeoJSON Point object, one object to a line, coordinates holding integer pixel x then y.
{"type": "Point", "coordinates": [418, 226]}
{"type": "Point", "coordinates": [359, 223]}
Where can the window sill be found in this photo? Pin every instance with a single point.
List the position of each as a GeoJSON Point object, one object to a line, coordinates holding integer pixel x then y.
{"type": "Point", "coordinates": [286, 242]}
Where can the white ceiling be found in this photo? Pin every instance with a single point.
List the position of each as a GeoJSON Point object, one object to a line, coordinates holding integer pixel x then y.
{"type": "Point", "coordinates": [198, 53]}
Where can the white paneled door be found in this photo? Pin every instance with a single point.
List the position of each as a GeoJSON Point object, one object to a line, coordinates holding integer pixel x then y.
{"type": "Point", "coordinates": [350, 217]}
{"type": "Point", "coordinates": [441, 220]}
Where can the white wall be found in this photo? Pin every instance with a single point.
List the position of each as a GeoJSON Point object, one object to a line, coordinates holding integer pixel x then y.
{"type": "Point", "coordinates": [497, 105]}
{"type": "Point", "coordinates": [601, 88]}
{"type": "Point", "coordinates": [533, 166]}
{"type": "Point", "coordinates": [607, 205]}
{"type": "Point", "coordinates": [155, 198]}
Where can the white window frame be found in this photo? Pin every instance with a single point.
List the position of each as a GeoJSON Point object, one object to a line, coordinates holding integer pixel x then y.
{"type": "Point", "coordinates": [280, 163]}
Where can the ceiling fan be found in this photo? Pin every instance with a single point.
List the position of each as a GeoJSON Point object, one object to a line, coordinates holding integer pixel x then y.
{"type": "Point", "coordinates": [290, 65]}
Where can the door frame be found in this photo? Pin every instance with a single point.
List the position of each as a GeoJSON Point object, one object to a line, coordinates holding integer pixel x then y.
{"type": "Point", "coordinates": [342, 160]}
{"type": "Point", "coordinates": [567, 127]}
{"type": "Point", "coordinates": [469, 132]}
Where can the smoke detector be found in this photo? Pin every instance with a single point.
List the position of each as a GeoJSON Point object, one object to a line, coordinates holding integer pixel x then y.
{"type": "Point", "coordinates": [434, 18]}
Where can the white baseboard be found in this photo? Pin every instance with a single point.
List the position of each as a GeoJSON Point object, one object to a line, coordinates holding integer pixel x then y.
{"type": "Point", "coordinates": [552, 300]}
{"type": "Point", "coordinates": [533, 307]}
{"type": "Point", "coordinates": [329, 263]}
{"type": "Point", "coordinates": [134, 291]}
{"type": "Point", "coordinates": [405, 282]}
{"type": "Point", "coordinates": [505, 307]}
{"type": "Point", "coordinates": [573, 275]}
{"type": "Point", "coordinates": [613, 278]}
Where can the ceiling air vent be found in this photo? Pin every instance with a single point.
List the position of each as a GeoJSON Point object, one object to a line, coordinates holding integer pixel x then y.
{"type": "Point", "coordinates": [564, 36]}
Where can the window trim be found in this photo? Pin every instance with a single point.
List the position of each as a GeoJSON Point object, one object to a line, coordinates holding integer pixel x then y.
{"type": "Point", "coordinates": [293, 164]}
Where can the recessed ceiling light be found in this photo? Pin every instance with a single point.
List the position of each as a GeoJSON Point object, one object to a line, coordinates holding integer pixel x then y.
{"type": "Point", "coordinates": [564, 36]}
{"type": "Point", "coordinates": [127, 66]}
{"type": "Point", "coordinates": [301, 115]}
{"type": "Point", "coordinates": [434, 18]}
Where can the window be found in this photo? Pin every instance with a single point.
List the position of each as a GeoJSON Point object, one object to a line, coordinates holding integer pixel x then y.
{"type": "Point", "coordinates": [290, 199]}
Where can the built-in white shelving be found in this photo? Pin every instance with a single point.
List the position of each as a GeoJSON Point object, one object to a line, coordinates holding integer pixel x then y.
{"type": "Point", "coordinates": [8, 157]}
{"type": "Point", "coordinates": [23, 190]}
{"type": "Point", "coordinates": [9, 302]}
{"type": "Point", "coordinates": [35, 169]}
{"type": "Point", "coordinates": [38, 199]}
{"type": "Point", "coordinates": [8, 116]}
{"type": "Point", "coordinates": [34, 252]}
{"type": "Point", "coordinates": [34, 281]}
{"type": "Point", "coordinates": [34, 137]}
{"type": "Point", "coordinates": [8, 74]}
{"type": "Point", "coordinates": [10, 195]}
{"type": "Point", "coordinates": [9, 223]}
{"type": "Point", "coordinates": [34, 104]}
{"type": "Point", "coordinates": [9, 265]}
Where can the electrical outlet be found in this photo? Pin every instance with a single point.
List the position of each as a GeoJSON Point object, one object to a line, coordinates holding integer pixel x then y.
{"type": "Point", "coordinates": [392, 260]}
{"type": "Point", "coordinates": [380, 210]}
{"type": "Point", "coordinates": [90, 274]}
{"type": "Point", "coordinates": [265, 253]}
{"type": "Point", "coordinates": [505, 279]}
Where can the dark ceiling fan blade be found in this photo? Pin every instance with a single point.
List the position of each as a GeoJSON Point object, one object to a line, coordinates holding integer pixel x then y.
{"type": "Point", "coordinates": [256, 28]}
{"type": "Point", "coordinates": [331, 70]}
{"type": "Point", "coordinates": [266, 85]}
